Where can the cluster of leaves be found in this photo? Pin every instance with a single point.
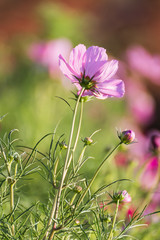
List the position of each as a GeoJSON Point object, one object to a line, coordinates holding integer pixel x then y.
{"type": "Point", "coordinates": [75, 221]}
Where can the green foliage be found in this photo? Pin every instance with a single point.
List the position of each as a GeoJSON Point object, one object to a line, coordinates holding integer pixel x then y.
{"type": "Point", "coordinates": [92, 219]}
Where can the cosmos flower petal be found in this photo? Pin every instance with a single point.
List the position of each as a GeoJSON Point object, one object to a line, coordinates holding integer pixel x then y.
{"type": "Point", "coordinates": [76, 58]}
{"type": "Point", "coordinates": [112, 88]}
{"type": "Point", "coordinates": [67, 70]}
{"type": "Point", "coordinates": [86, 93]}
{"type": "Point", "coordinates": [94, 68]}
{"type": "Point", "coordinates": [109, 70]}
{"type": "Point", "coordinates": [95, 54]}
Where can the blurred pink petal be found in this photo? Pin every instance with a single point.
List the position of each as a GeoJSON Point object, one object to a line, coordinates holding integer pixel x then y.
{"type": "Point", "coordinates": [129, 214]}
{"type": "Point", "coordinates": [126, 197]}
{"type": "Point", "coordinates": [143, 62]}
{"type": "Point", "coordinates": [121, 159]}
{"type": "Point", "coordinates": [47, 53]}
{"type": "Point", "coordinates": [140, 102]}
{"type": "Point", "coordinates": [154, 141]}
{"type": "Point", "coordinates": [149, 176]}
{"type": "Point", "coordinates": [156, 197]}
{"type": "Point", "coordinates": [151, 218]}
{"type": "Point", "coordinates": [103, 205]}
{"type": "Point", "coordinates": [91, 70]}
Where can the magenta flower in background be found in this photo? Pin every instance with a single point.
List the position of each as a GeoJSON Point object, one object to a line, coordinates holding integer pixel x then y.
{"type": "Point", "coordinates": [130, 212]}
{"type": "Point", "coordinates": [90, 69]}
{"type": "Point", "coordinates": [46, 53]}
{"type": "Point", "coordinates": [156, 197]}
{"type": "Point", "coordinates": [149, 176]}
{"type": "Point", "coordinates": [143, 62]}
{"type": "Point", "coordinates": [154, 141]}
{"type": "Point", "coordinates": [140, 102]}
{"type": "Point", "coordinates": [151, 218]}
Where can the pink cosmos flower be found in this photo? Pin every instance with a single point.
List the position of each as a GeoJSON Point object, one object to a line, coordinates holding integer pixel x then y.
{"type": "Point", "coordinates": [122, 196]}
{"type": "Point", "coordinates": [126, 197]}
{"type": "Point", "coordinates": [143, 62]}
{"type": "Point", "coordinates": [90, 69]}
{"type": "Point", "coordinates": [149, 176]}
{"type": "Point", "coordinates": [46, 53]}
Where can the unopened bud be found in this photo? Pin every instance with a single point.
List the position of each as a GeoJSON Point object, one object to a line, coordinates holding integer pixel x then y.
{"type": "Point", "coordinates": [122, 197]}
{"type": "Point", "coordinates": [107, 218]}
{"type": "Point", "coordinates": [127, 136]}
{"type": "Point", "coordinates": [16, 157]}
{"type": "Point", "coordinates": [63, 145]}
{"type": "Point", "coordinates": [78, 189]}
{"type": "Point", "coordinates": [87, 141]}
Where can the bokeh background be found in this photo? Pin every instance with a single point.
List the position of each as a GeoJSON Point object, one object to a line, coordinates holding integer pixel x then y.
{"type": "Point", "coordinates": [34, 32]}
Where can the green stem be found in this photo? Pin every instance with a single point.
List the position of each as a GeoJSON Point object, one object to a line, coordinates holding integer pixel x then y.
{"type": "Point", "coordinates": [79, 162]}
{"type": "Point", "coordinates": [12, 206]}
{"type": "Point", "coordinates": [55, 171]}
{"type": "Point", "coordinates": [77, 135]}
{"type": "Point", "coordinates": [51, 216]}
{"type": "Point", "coordinates": [73, 198]}
{"type": "Point", "coordinates": [113, 223]}
{"type": "Point", "coordinates": [94, 176]}
{"type": "Point", "coordinates": [57, 201]}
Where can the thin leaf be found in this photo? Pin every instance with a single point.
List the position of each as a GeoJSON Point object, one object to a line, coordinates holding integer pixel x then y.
{"type": "Point", "coordinates": [65, 102]}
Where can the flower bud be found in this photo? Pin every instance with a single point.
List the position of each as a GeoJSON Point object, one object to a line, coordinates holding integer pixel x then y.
{"type": "Point", "coordinates": [122, 196]}
{"type": "Point", "coordinates": [63, 145]}
{"type": "Point", "coordinates": [16, 157]}
{"type": "Point", "coordinates": [78, 189]}
{"type": "Point", "coordinates": [107, 218]}
{"type": "Point", "coordinates": [125, 196]}
{"type": "Point", "coordinates": [127, 136]}
{"type": "Point", "coordinates": [87, 141]}
{"type": "Point", "coordinates": [77, 222]}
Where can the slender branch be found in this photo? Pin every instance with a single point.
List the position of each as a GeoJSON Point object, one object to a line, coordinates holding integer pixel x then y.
{"type": "Point", "coordinates": [57, 201]}
{"type": "Point", "coordinates": [77, 136]}
{"type": "Point", "coordinates": [12, 206]}
{"type": "Point", "coordinates": [51, 216]}
{"type": "Point", "coordinates": [94, 176]}
{"type": "Point", "coordinates": [113, 223]}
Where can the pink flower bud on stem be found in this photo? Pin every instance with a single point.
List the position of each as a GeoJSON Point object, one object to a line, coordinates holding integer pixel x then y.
{"type": "Point", "coordinates": [127, 137]}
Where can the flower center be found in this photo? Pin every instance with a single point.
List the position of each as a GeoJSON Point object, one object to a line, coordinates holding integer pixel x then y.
{"type": "Point", "coordinates": [87, 82]}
